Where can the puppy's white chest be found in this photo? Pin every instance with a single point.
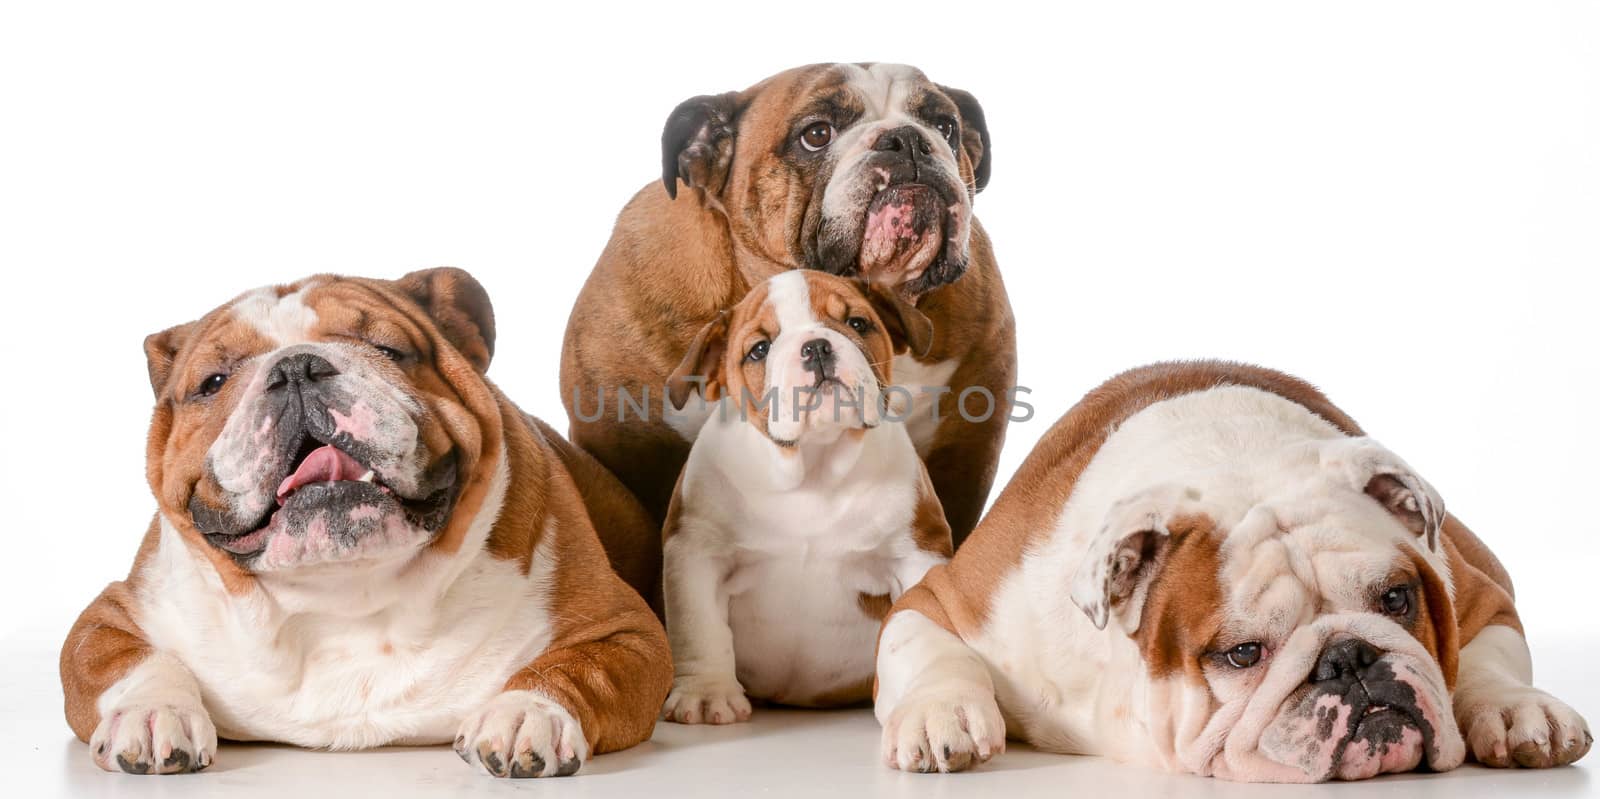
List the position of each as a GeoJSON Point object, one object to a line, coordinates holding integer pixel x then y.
{"type": "Point", "coordinates": [803, 627]}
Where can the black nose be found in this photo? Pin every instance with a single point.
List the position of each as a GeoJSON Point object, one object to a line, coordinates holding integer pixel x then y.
{"type": "Point", "coordinates": [816, 354]}
{"type": "Point", "coordinates": [904, 139]}
{"type": "Point", "coordinates": [1344, 659]}
{"type": "Point", "coordinates": [300, 368]}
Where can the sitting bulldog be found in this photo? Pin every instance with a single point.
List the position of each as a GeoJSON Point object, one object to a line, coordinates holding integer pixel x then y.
{"type": "Point", "coordinates": [360, 541]}
{"type": "Point", "coordinates": [1209, 568]}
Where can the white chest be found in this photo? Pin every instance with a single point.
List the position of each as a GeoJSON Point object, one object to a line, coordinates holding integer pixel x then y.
{"type": "Point", "coordinates": [406, 674]}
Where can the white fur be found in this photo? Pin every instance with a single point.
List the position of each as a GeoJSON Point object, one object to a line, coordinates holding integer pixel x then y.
{"type": "Point", "coordinates": [774, 545]}
{"type": "Point", "coordinates": [884, 89]}
{"type": "Point", "coordinates": [1499, 709]}
{"type": "Point", "coordinates": [350, 658]}
{"type": "Point", "coordinates": [527, 725]}
{"type": "Point", "coordinates": [935, 698]}
{"type": "Point", "coordinates": [285, 320]}
{"type": "Point", "coordinates": [925, 382]}
{"type": "Point", "coordinates": [1261, 465]}
{"type": "Point", "coordinates": [152, 714]}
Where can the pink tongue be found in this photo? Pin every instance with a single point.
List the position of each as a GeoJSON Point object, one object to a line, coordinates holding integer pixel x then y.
{"type": "Point", "coordinates": [324, 464]}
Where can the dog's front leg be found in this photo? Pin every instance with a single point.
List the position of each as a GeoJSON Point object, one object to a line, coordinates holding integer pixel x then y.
{"type": "Point", "coordinates": [935, 698]}
{"type": "Point", "coordinates": [705, 685]}
{"type": "Point", "coordinates": [138, 708]}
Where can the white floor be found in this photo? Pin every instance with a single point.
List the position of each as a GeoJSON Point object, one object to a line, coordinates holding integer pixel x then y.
{"type": "Point", "coordinates": [781, 753]}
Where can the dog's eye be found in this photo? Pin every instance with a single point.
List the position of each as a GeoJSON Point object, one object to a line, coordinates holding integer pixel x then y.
{"type": "Point", "coordinates": [947, 128]}
{"type": "Point", "coordinates": [1397, 600]}
{"type": "Point", "coordinates": [1244, 656]}
{"type": "Point", "coordinates": [390, 352]}
{"type": "Point", "coordinates": [211, 385]}
{"type": "Point", "coordinates": [759, 351]}
{"type": "Point", "coordinates": [859, 324]}
{"type": "Point", "coordinates": [816, 136]}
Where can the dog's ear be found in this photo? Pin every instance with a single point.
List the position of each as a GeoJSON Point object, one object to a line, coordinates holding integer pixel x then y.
{"type": "Point", "coordinates": [697, 143]}
{"type": "Point", "coordinates": [1371, 468]}
{"type": "Point", "coordinates": [1115, 573]}
{"type": "Point", "coordinates": [908, 327]}
{"type": "Point", "coordinates": [459, 305]}
{"type": "Point", "coordinates": [703, 360]}
{"type": "Point", "coordinates": [161, 352]}
{"type": "Point", "coordinates": [974, 135]}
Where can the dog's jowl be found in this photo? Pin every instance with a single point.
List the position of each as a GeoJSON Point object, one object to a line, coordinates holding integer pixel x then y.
{"type": "Point", "coordinates": [866, 170]}
{"type": "Point", "coordinates": [1208, 567]}
{"type": "Point", "coordinates": [360, 541]}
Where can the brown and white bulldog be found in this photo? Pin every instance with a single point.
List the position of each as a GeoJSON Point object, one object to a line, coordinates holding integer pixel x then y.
{"type": "Point", "coordinates": [360, 541]}
{"type": "Point", "coordinates": [803, 511]}
{"type": "Point", "coordinates": [1209, 568]}
{"type": "Point", "coordinates": [854, 169]}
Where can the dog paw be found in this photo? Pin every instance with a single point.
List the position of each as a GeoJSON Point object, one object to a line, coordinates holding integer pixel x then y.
{"type": "Point", "coordinates": [943, 732]}
{"type": "Point", "coordinates": [695, 701]}
{"type": "Point", "coordinates": [522, 734]}
{"type": "Point", "coordinates": [1522, 726]}
{"type": "Point", "coordinates": [154, 739]}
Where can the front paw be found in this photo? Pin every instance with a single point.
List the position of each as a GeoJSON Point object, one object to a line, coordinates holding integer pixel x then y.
{"type": "Point", "coordinates": [702, 701]}
{"type": "Point", "coordinates": [522, 734]}
{"type": "Point", "coordinates": [154, 739]}
{"type": "Point", "coordinates": [1522, 726]}
{"type": "Point", "coordinates": [943, 732]}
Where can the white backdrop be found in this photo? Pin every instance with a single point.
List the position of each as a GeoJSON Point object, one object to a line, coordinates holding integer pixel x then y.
{"type": "Point", "coordinates": [1400, 202]}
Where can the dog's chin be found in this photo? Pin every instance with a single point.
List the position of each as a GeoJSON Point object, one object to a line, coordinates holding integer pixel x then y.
{"type": "Point", "coordinates": [906, 236]}
{"type": "Point", "coordinates": [332, 522]}
{"type": "Point", "coordinates": [828, 409]}
{"type": "Point", "coordinates": [1390, 726]}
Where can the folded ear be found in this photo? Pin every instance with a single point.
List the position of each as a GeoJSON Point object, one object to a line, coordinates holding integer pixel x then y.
{"type": "Point", "coordinates": [1371, 468]}
{"type": "Point", "coordinates": [908, 327]}
{"type": "Point", "coordinates": [161, 352]}
{"type": "Point", "coordinates": [974, 135]}
{"type": "Point", "coordinates": [697, 143]}
{"type": "Point", "coordinates": [703, 360]}
{"type": "Point", "coordinates": [459, 305]}
{"type": "Point", "coordinates": [1446, 631]}
{"type": "Point", "coordinates": [1127, 553]}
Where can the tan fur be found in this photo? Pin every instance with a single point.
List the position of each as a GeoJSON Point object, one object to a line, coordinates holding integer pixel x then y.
{"type": "Point", "coordinates": [956, 595]}
{"type": "Point", "coordinates": [608, 663]}
{"type": "Point", "coordinates": [672, 265]}
{"type": "Point", "coordinates": [1183, 606]}
{"type": "Point", "coordinates": [103, 646]}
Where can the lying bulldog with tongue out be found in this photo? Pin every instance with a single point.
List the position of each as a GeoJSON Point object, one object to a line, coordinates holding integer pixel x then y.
{"type": "Point", "coordinates": [360, 541]}
{"type": "Point", "coordinates": [865, 170]}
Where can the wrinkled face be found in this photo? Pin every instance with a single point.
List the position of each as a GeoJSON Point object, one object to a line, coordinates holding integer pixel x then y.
{"type": "Point", "coordinates": [858, 169]}
{"type": "Point", "coordinates": [312, 424]}
{"type": "Point", "coordinates": [1312, 636]}
{"type": "Point", "coordinates": [803, 354]}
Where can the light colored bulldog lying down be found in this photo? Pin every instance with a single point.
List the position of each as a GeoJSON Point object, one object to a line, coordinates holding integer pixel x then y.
{"type": "Point", "coordinates": [1209, 568]}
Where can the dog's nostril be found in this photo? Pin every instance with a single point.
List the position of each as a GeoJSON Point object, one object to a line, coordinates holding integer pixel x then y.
{"type": "Point", "coordinates": [1344, 659]}
{"type": "Point", "coordinates": [302, 367]}
{"type": "Point", "coordinates": [817, 349]}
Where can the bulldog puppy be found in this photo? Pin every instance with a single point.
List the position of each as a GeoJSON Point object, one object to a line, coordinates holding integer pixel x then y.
{"type": "Point", "coordinates": [360, 541]}
{"type": "Point", "coordinates": [1208, 567]}
{"type": "Point", "coordinates": [852, 169]}
{"type": "Point", "coordinates": [803, 511]}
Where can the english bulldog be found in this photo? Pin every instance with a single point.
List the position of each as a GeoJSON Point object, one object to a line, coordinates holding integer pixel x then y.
{"type": "Point", "coordinates": [1209, 568]}
{"type": "Point", "coordinates": [803, 510]}
{"type": "Point", "coordinates": [865, 170]}
{"type": "Point", "coordinates": [360, 541]}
